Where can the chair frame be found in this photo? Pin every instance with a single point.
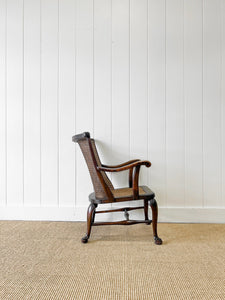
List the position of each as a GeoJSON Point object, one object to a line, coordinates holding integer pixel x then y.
{"type": "Point", "coordinates": [148, 198]}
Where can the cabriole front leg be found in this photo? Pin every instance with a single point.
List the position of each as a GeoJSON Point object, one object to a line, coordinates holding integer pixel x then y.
{"type": "Point", "coordinates": [154, 208]}
{"type": "Point", "coordinates": [90, 220]}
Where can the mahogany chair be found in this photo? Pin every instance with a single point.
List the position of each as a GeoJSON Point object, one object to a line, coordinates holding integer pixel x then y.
{"type": "Point", "coordinates": [104, 192]}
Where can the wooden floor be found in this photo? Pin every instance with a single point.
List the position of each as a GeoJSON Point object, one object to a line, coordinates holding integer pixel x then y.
{"type": "Point", "coordinates": [46, 260]}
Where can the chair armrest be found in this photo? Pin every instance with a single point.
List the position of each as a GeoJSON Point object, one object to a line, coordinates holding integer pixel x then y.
{"type": "Point", "coordinates": [134, 168]}
{"type": "Point", "coordinates": [121, 165]}
{"type": "Point", "coordinates": [126, 167]}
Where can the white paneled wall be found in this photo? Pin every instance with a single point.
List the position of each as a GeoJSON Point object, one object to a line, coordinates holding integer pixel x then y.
{"type": "Point", "coordinates": [145, 77]}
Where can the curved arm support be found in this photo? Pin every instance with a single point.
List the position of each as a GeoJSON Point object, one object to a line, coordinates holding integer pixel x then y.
{"type": "Point", "coordinates": [131, 178]}
{"type": "Point", "coordinates": [135, 182]}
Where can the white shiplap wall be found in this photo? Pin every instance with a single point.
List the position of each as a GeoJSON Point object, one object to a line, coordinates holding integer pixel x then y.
{"type": "Point", "coordinates": [145, 77]}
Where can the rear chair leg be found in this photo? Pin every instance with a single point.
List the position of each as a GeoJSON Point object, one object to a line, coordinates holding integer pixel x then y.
{"type": "Point", "coordinates": [90, 221]}
{"type": "Point", "coordinates": [154, 208]}
{"type": "Point", "coordinates": [146, 212]}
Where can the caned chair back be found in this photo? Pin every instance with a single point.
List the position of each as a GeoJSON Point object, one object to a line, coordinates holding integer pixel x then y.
{"type": "Point", "coordinates": [102, 185]}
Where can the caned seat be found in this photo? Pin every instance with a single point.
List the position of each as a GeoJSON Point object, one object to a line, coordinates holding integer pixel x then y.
{"type": "Point", "coordinates": [144, 192]}
{"type": "Point", "coordinates": [104, 191]}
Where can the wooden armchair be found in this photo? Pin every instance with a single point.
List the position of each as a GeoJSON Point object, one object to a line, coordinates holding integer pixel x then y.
{"type": "Point", "coordinates": [104, 191]}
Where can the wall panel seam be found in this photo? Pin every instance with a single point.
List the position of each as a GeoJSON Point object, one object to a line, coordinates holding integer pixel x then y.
{"type": "Point", "coordinates": [111, 98]}
{"type": "Point", "coordinates": [185, 116]}
{"type": "Point", "coordinates": [166, 196]}
{"type": "Point", "coordinates": [148, 84]}
{"type": "Point", "coordinates": [75, 97]}
{"type": "Point", "coordinates": [58, 116]}
{"type": "Point", "coordinates": [23, 102]}
{"type": "Point", "coordinates": [93, 113]}
{"type": "Point", "coordinates": [203, 177]}
{"type": "Point", "coordinates": [6, 111]}
{"type": "Point", "coordinates": [129, 77]}
{"type": "Point", "coordinates": [221, 102]}
{"type": "Point", "coordinates": [40, 101]}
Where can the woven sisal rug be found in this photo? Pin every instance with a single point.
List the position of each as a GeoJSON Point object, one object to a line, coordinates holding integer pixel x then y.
{"type": "Point", "coordinates": [46, 260]}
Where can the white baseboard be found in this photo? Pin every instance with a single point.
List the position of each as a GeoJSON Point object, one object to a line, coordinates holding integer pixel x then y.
{"type": "Point", "coordinates": [192, 215]}
{"type": "Point", "coordinates": [170, 215]}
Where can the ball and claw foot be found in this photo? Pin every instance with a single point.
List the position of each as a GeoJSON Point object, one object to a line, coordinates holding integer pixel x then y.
{"type": "Point", "coordinates": [157, 240]}
{"type": "Point", "coordinates": [85, 239]}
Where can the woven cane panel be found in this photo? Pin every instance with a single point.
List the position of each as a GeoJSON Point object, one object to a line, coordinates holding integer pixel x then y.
{"type": "Point", "coordinates": [105, 177]}
{"type": "Point", "coordinates": [126, 192]}
{"type": "Point", "coordinates": [99, 191]}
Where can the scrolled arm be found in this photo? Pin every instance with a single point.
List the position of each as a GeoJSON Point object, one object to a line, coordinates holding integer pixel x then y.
{"type": "Point", "coordinates": [125, 167]}
{"type": "Point", "coordinates": [122, 165]}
